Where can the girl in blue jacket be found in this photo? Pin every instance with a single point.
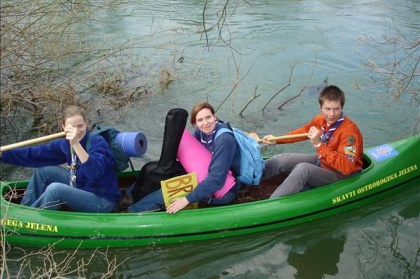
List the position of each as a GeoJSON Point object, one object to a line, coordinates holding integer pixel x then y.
{"type": "Point", "coordinates": [225, 157]}
{"type": "Point", "coordinates": [88, 182]}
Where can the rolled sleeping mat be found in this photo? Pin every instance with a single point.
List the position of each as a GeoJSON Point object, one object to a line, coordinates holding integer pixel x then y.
{"type": "Point", "coordinates": [194, 157]}
{"type": "Point", "coordinates": [134, 144]}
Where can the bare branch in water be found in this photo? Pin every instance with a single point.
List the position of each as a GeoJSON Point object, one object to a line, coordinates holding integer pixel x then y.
{"type": "Point", "coordinates": [235, 85]}
{"type": "Point", "coordinates": [204, 23]}
{"type": "Point", "coordinates": [47, 262]}
{"type": "Point", "coordinates": [303, 89]}
{"type": "Point", "coordinates": [255, 96]}
{"type": "Point", "coordinates": [281, 90]}
{"type": "Point", "coordinates": [223, 11]}
{"type": "Point", "coordinates": [396, 64]}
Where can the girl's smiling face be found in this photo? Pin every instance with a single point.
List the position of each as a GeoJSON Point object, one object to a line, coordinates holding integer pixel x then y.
{"type": "Point", "coordinates": [77, 122]}
{"type": "Point", "coordinates": [205, 121]}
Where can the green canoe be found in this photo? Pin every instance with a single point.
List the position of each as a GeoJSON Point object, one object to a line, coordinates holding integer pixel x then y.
{"type": "Point", "coordinates": [390, 169]}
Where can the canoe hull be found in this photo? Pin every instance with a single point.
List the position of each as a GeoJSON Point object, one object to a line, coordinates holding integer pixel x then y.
{"type": "Point", "coordinates": [393, 168]}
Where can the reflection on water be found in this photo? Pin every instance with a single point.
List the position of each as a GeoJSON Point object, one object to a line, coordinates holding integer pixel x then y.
{"type": "Point", "coordinates": [388, 247]}
{"type": "Point", "coordinates": [312, 263]}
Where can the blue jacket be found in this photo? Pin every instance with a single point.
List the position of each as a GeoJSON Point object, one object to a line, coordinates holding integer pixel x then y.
{"type": "Point", "coordinates": [96, 175]}
{"type": "Point", "coordinates": [225, 157]}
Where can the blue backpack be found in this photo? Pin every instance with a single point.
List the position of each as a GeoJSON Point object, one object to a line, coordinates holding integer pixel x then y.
{"type": "Point", "coordinates": [251, 162]}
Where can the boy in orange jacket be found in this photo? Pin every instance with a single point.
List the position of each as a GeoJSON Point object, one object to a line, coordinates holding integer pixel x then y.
{"type": "Point", "coordinates": [335, 137]}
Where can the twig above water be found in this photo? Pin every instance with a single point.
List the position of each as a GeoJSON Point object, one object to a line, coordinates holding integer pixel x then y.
{"type": "Point", "coordinates": [281, 90]}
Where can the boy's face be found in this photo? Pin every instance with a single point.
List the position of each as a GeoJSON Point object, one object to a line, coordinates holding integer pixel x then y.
{"type": "Point", "coordinates": [331, 110]}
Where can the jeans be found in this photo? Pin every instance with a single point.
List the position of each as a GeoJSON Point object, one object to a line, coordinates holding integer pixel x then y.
{"type": "Point", "coordinates": [304, 172]}
{"type": "Point", "coordinates": [155, 200]}
{"type": "Point", "coordinates": [49, 188]}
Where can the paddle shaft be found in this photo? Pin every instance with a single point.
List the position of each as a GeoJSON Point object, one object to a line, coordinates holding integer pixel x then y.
{"type": "Point", "coordinates": [286, 137]}
{"type": "Point", "coordinates": [32, 141]}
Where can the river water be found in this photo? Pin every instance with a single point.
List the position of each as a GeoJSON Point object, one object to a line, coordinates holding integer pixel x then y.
{"type": "Point", "coordinates": [261, 41]}
{"type": "Point", "coordinates": [319, 39]}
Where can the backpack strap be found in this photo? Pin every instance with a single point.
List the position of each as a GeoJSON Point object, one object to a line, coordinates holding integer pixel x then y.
{"type": "Point", "coordinates": [90, 136]}
{"type": "Point", "coordinates": [223, 130]}
{"type": "Point", "coordinates": [92, 133]}
{"type": "Point", "coordinates": [227, 130]}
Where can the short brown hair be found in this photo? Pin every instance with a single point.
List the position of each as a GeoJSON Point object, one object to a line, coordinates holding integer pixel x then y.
{"type": "Point", "coordinates": [332, 93]}
{"type": "Point", "coordinates": [71, 111]}
{"type": "Point", "coordinates": [197, 108]}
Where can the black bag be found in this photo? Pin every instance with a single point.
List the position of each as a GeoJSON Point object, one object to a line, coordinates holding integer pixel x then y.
{"type": "Point", "coordinates": [152, 173]}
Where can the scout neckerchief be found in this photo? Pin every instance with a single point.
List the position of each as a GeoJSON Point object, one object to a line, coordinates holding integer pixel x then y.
{"type": "Point", "coordinates": [73, 167]}
{"type": "Point", "coordinates": [326, 135]}
{"type": "Point", "coordinates": [208, 140]}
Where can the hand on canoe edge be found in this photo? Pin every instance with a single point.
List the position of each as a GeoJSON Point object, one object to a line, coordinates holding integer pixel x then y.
{"type": "Point", "coordinates": [177, 205]}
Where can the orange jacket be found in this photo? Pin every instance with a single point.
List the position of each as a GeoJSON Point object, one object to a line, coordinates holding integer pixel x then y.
{"type": "Point", "coordinates": [344, 151]}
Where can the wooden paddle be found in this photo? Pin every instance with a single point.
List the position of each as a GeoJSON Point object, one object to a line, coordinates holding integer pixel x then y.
{"type": "Point", "coordinates": [257, 138]}
{"type": "Point", "coordinates": [32, 141]}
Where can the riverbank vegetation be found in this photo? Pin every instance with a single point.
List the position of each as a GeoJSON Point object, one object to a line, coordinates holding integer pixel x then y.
{"type": "Point", "coordinates": [48, 62]}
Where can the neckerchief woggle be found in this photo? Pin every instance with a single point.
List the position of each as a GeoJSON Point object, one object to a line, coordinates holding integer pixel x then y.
{"type": "Point", "coordinates": [327, 135]}
{"type": "Point", "coordinates": [208, 140]}
{"type": "Point", "coordinates": [73, 167]}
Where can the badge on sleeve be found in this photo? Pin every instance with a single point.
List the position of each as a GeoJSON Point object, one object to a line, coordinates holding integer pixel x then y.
{"type": "Point", "coordinates": [350, 152]}
{"type": "Point", "coordinates": [351, 140]}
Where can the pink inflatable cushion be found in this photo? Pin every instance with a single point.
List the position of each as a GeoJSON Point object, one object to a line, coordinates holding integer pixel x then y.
{"type": "Point", "coordinates": [194, 157]}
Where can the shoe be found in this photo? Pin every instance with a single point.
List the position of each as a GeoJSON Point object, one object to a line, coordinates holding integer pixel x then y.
{"type": "Point", "coordinates": [124, 203]}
